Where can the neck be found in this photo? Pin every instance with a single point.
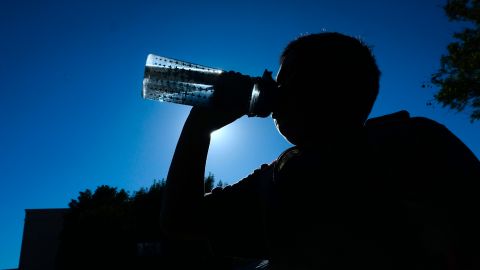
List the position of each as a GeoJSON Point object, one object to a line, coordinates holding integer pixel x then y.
{"type": "Point", "coordinates": [339, 138]}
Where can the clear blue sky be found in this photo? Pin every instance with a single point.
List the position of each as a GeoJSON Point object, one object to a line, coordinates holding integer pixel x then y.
{"type": "Point", "coordinates": [71, 113]}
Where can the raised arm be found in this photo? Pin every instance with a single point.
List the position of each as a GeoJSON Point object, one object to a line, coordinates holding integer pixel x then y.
{"type": "Point", "coordinates": [181, 215]}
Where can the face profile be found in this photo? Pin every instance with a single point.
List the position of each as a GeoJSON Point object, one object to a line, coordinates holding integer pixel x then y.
{"type": "Point", "coordinates": [327, 81]}
{"type": "Point", "coordinates": [290, 112]}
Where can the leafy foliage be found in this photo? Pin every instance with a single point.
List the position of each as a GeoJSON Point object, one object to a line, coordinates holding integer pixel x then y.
{"type": "Point", "coordinates": [111, 229]}
{"type": "Point", "coordinates": [209, 181]}
{"type": "Point", "coordinates": [96, 230]}
{"type": "Point", "coordinates": [459, 73]}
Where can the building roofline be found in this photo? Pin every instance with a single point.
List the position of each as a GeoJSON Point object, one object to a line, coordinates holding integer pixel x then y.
{"type": "Point", "coordinates": [47, 210]}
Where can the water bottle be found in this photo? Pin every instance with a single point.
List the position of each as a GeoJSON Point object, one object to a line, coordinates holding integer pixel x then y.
{"type": "Point", "coordinates": [170, 80]}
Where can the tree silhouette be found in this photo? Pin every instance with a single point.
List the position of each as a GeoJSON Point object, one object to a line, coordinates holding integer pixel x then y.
{"type": "Point", "coordinates": [209, 182]}
{"type": "Point", "coordinates": [97, 231]}
{"type": "Point", "coordinates": [111, 229]}
{"type": "Point", "coordinates": [459, 73]}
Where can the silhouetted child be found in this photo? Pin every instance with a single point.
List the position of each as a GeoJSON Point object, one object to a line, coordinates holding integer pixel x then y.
{"type": "Point", "coordinates": [394, 192]}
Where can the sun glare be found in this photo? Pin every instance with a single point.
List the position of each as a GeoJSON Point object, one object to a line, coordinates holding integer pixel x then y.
{"type": "Point", "coordinates": [217, 135]}
{"type": "Point", "coordinates": [224, 137]}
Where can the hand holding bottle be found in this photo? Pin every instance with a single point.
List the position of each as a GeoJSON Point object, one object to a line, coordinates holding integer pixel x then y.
{"type": "Point", "coordinates": [230, 101]}
{"type": "Point", "coordinates": [176, 81]}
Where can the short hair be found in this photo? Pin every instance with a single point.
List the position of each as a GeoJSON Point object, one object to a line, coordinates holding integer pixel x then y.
{"type": "Point", "coordinates": [348, 65]}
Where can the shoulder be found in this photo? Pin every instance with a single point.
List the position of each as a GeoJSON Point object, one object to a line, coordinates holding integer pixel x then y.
{"type": "Point", "coordinates": [297, 167]}
{"type": "Point", "coordinates": [253, 183]}
{"type": "Point", "coordinates": [400, 125]}
{"type": "Point", "coordinates": [286, 157]}
{"type": "Point", "coordinates": [408, 139]}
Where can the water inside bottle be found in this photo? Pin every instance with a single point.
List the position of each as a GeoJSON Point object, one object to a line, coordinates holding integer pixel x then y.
{"type": "Point", "coordinates": [171, 80]}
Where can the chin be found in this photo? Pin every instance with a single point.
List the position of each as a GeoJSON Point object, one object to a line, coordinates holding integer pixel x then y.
{"type": "Point", "coordinates": [290, 135]}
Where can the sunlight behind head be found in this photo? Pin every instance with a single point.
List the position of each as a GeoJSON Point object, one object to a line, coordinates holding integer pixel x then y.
{"type": "Point", "coordinates": [218, 135]}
